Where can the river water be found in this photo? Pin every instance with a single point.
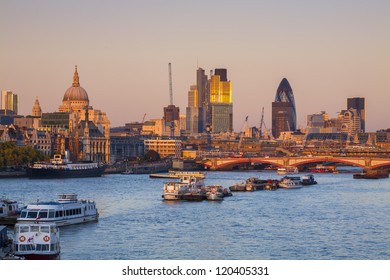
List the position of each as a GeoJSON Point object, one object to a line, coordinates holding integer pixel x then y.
{"type": "Point", "coordinates": [339, 218]}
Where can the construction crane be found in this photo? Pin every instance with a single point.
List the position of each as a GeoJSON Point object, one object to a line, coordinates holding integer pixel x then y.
{"type": "Point", "coordinates": [242, 133]}
{"type": "Point", "coordinates": [143, 119]}
{"type": "Point", "coordinates": [261, 123]}
{"type": "Point", "coordinates": [172, 124]}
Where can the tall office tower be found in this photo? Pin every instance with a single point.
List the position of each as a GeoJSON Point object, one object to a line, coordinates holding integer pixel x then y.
{"type": "Point", "coordinates": [203, 100]}
{"type": "Point", "coordinates": [9, 101]}
{"type": "Point", "coordinates": [284, 117]}
{"type": "Point", "coordinates": [220, 90]}
{"type": "Point", "coordinates": [359, 104]}
{"type": "Point", "coordinates": [192, 111]}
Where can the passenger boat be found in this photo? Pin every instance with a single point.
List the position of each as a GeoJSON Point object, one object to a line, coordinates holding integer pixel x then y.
{"type": "Point", "coordinates": [37, 241]}
{"type": "Point", "coordinates": [287, 170]}
{"type": "Point", "coordinates": [174, 190]}
{"type": "Point", "coordinates": [185, 189]}
{"type": "Point", "coordinates": [61, 167]}
{"type": "Point", "coordinates": [323, 169]}
{"type": "Point", "coordinates": [290, 182]}
{"type": "Point", "coordinates": [9, 209]}
{"type": "Point", "coordinates": [67, 210]}
{"type": "Point", "coordinates": [308, 180]}
{"type": "Point", "coordinates": [371, 174]}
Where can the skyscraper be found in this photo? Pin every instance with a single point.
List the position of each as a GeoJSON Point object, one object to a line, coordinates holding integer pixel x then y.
{"type": "Point", "coordinates": [284, 117]}
{"type": "Point", "coordinates": [359, 104]}
{"type": "Point", "coordinates": [9, 101]}
{"type": "Point", "coordinates": [221, 103]}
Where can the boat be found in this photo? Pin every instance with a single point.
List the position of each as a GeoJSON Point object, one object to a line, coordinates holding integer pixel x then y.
{"type": "Point", "coordinates": [188, 188]}
{"type": "Point", "coordinates": [61, 167]}
{"type": "Point", "coordinates": [324, 169]}
{"type": "Point", "coordinates": [37, 241]}
{"type": "Point", "coordinates": [215, 193]}
{"type": "Point", "coordinates": [371, 174]}
{"type": "Point", "coordinates": [68, 210]}
{"type": "Point", "coordinates": [238, 187]}
{"type": "Point", "coordinates": [9, 210]}
{"type": "Point", "coordinates": [255, 184]}
{"type": "Point", "coordinates": [287, 170]}
{"type": "Point", "coordinates": [178, 174]}
{"type": "Point", "coordinates": [174, 190]}
{"type": "Point", "coordinates": [195, 188]}
{"type": "Point", "coordinates": [308, 180]}
{"type": "Point", "coordinates": [290, 182]}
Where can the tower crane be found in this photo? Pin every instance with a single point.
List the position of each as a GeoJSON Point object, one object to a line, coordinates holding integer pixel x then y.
{"type": "Point", "coordinates": [261, 123]}
{"type": "Point", "coordinates": [242, 133]}
{"type": "Point", "coordinates": [172, 124]}
{"type": "Point", "coordinates": [143, 119]}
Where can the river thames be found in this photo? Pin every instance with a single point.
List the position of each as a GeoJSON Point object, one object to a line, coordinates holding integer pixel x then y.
{"type": "Point", "coordinates": [339, 218]}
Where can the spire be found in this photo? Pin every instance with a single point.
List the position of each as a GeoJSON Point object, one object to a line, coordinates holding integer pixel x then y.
{"type": "Point", "coordinates": [76, 78]}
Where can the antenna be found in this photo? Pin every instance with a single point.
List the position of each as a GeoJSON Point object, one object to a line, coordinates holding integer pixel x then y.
{"type": "Point", "coordinates": [170, 84]}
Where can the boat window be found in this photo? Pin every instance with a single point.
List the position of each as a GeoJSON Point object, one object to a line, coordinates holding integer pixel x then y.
{"type": "Point", "coordinates": [32, 214]}
{"type": "Point", "coordinates": [1, 210]}
{"type": "Point", "coordinates": [73, 211]}
{"type": "Point", "coordinates": [16, 248]}
{"type": "Point", "coordinates": [42, 247]}
{"type": "Point", "coordinates": [44, 229]}
{"type": "Point", "coordinates": [35, 228]}
{"type": "Point", "coordinates": [24, 229]}
{"type": "Point", "coordinates": [51, 213]}
{"type": "Point", "coordinates": [23, 214]}
{"type": "Point", "coordinates": [43, 214]}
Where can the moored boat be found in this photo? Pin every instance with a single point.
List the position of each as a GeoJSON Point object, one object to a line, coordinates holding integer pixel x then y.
{"type": "Point", "coordinates": [214, 193]}
{"type": "Point", "coordinates": [9, 210]}
{"type": "Point", "coordinates": [308, 180]}
{"type": "Point", "coordinates": [67, 210]}
{"type": "Point", "coordinates": [290, 182]}
{"type": "Point", "coordinates": [287, 170]}
{"type": "Point", "coordinates": [61, 167]}
{"type": "Point", "coordinates": [371, 174]}
{"type": "Point", "coordinates": [37, 241]}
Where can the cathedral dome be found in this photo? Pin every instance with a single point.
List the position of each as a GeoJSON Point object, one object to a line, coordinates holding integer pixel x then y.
{"type": "Point", "coordinates": [76, 92]}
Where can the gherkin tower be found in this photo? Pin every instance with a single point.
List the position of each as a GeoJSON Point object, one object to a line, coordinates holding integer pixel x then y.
{"type": "Point", "coordinates": [284, 116]}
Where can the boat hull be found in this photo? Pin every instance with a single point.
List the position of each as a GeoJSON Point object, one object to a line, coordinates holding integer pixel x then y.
{"type": "Point", "coordinates": [40, 173]}
{"type": "Point", "coordinates": [55, 256]}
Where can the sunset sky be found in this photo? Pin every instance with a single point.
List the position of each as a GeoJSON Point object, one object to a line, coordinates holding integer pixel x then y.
{"type": "Point", "coordinates": [328, 50]}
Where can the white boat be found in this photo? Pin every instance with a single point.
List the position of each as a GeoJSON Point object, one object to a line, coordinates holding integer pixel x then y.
{"type": "Point", "coordinates": [9, 210]}
{"type": "Point", "coordinates": [37, 241]}
{"type": "Point", "coordinates": [288, 182]}
{"type": "Point", "coordinates": [68, 210]}
{"type": "Point", "coordinates": [185, 189]}
{"type": "Point", "coordinates": [214, 193]}
{"type": "Point", "coordinates": [174, 190]}
{"type": "Point", "coordinates": [287, 170]}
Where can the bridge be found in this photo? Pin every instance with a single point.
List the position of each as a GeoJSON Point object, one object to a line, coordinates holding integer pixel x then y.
{"type": "Point", "coordinates": [231, 163]}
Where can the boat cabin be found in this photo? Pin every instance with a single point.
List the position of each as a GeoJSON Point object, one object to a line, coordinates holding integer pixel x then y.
{"type": "Point", "coordinates": [8, 208]}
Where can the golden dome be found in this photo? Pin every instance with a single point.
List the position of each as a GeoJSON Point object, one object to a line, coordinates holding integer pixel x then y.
{"type": "Point", "coordinates": [75, 92]}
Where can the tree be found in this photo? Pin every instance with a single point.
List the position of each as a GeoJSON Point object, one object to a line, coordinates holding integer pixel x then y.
{"type": "Point", "coordinates": [151, 155]}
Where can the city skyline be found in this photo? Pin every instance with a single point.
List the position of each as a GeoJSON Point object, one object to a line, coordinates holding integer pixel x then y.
{"type": "Point", "coordinates": [328, 52]}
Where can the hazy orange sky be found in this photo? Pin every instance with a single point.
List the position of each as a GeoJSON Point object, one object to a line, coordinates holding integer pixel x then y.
{"type": "Point", "coordinates": [328, 51]}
